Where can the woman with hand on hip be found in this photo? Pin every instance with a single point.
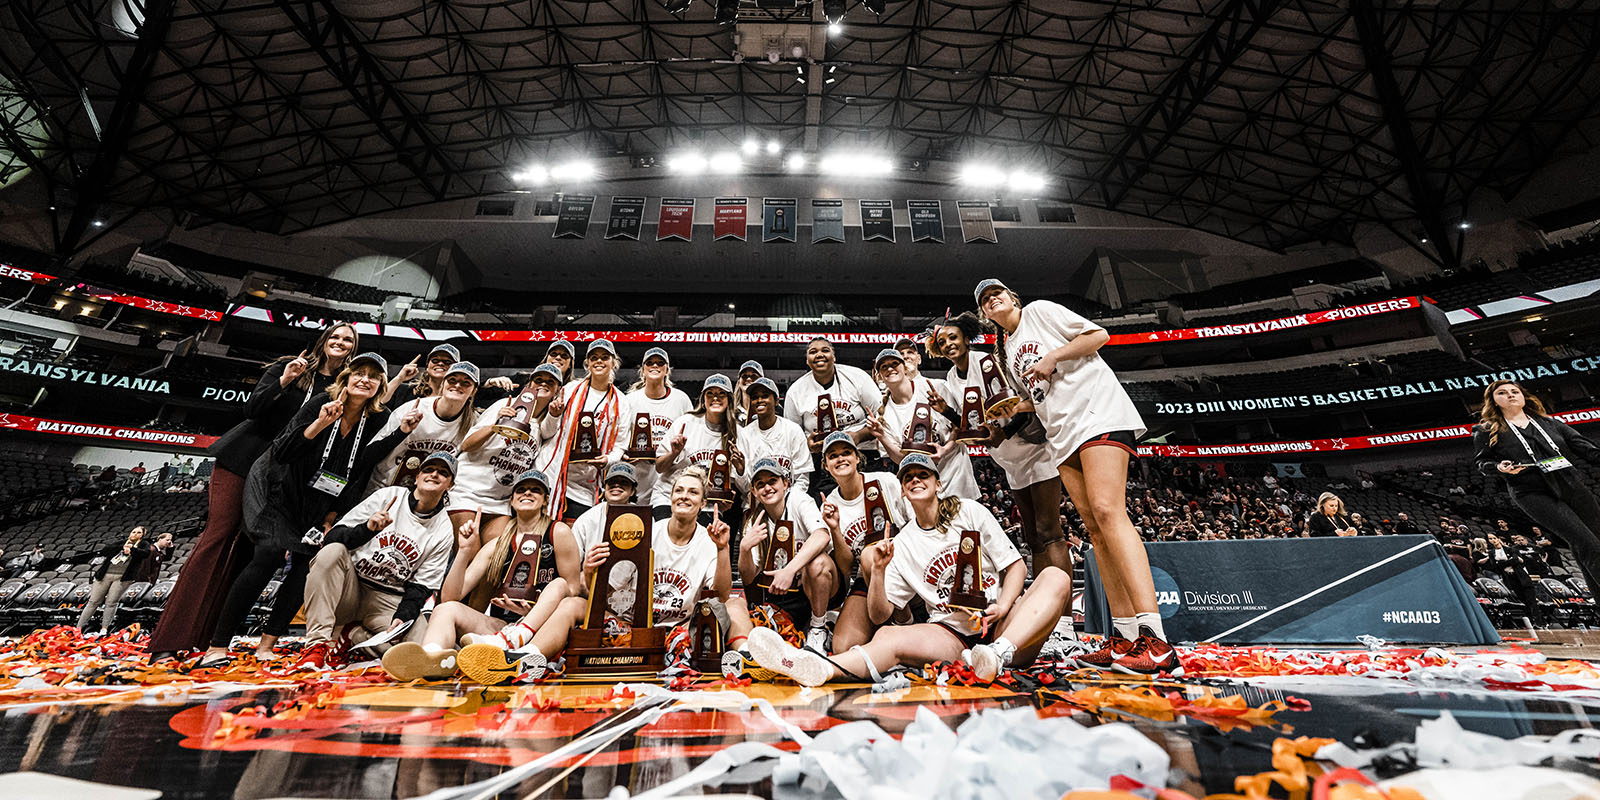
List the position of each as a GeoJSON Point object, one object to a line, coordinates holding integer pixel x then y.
{"type": "Point", "coordinates": [1090, 429]}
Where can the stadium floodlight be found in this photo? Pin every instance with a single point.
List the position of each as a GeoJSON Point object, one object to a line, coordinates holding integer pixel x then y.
{"type": "Point", "coordinates": [835, 28]}
{"type": "Point", "coordinates": [572, 171]}
{"type": "Point", "coordinates": [982, 176]}
{"type": "Point", "coordinates": [1465, 225]}
{"type": "Point", "coordinates": [856, 164]}
{"type": "Point", "coordinates": [796, 162]}
{"type": "Point", "coordinates": [534, 174]}
{"type": "Point", "coordinates": [726, 162]}
{"type": "Point", "coordinates": [751, 145]}
{"type": "Point", "coordinates": [687, 163]}
{"type": "Point", "coordinates": [1024, 181]}
{"type": "Point", "coordinates": [773, 148]}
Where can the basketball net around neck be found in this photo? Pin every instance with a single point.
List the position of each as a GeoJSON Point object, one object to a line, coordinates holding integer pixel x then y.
{"type": "Point", "coordinates": [606, 425]}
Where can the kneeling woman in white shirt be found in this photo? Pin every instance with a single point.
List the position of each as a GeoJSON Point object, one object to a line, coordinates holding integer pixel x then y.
{"type": "Point", "coordinates": [920, 562]}
{"type": "Point", "coordinates": [688, 558]}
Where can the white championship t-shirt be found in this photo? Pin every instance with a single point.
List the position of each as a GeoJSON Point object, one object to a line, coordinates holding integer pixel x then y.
{"type": "Point", "coordinates": [1083, 399]}
{"type": "Point", "coordinates": [412, 549]}
{"type": "Point", "coordinates": [699, 448]}
{"type": "Point", "coordinates": [955, 469]}
{"type": "Point", "coordinates": [853, 394]}
{"type": "Point", "coordinates": [1024, 464]}
{"type": "Point", "coordinates": [799, 509]}
{"type": "Point", "coordinates": [484, 475]}
{"type": "Point", "coordinates": [783, 441]}
{"type": "Point", "coordinates": [924, 563]}
{"type": "Point", "coordinates": [432, 435]}
{"type": "Point", "coordinates": [663, 412]}
{"type": "Point", "coordinates": [681, 573]}
{"type": "Point", "coordinates": [582, 479]}
{"type": "Point", "coordinates": [853, 513]}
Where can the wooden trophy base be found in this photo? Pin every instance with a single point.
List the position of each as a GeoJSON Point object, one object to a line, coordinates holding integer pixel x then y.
{"type": "Point", "coordinates": [974, 436]}
{"type": "Point", "coordinates": [974, 603]}
{"type": "Point", "coordinates": [646, 653]}
{"type": "Point", "coordinates": [926, 449]}
{"type": "Point", "coordinates": [639, 455]}
{"type": "Point", "coordinates": [724, 498]}
{"type": "Point", "coordinates": [1003, 406]}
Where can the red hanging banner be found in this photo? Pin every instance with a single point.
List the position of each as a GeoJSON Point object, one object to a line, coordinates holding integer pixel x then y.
{"type": "Point", "coordinates": [731, 219]}
{"type": "Point", "coordinates": [676, 220]}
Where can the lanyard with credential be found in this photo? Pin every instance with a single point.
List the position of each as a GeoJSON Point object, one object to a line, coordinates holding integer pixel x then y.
{"type": "Point", "coordinates": [1532, 423]}
{"type": "Point", "coordinates": [355, 448]}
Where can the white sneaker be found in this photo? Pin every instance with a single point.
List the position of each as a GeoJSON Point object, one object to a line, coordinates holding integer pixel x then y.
{"type": "Point", "coordinates": [817, 639]}
{"type": "Point", "coordinates": [769, 650]}
{"type": "Point", "coordinates": [985, 662]}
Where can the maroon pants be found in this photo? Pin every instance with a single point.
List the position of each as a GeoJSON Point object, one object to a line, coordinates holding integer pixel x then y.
{"type": "Point", "coordinates": [196, 600]}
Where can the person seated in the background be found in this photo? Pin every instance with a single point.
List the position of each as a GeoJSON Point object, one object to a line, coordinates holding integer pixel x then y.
{"type": "Point", "coordinates": [1363, 526]}
{"type": "Point", "coordinates": [1404, 526]}
{"type": "Point", "coordinates": [380, 563]}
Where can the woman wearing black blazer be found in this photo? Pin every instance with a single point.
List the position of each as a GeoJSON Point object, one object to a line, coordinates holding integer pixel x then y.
{"type": "Point", "coordinates": [196, 600]}
{"type": "Point", "coordinates": [1535, 454]}
{"type": "Point", "coordinates": [1329, 519]}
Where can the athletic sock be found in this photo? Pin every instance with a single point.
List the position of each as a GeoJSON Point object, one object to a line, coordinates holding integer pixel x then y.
{"type": "Point", "coordinates": [513, 636]}
{"type": "Point", "coordinates": [1004, 649]}
{"type": "Point", "coordinates": [1065, 629]}
{"type": "Point", "coordinates": [819, 622]}
{"type": "Point", "coordinates": [1126, 627]}
{"type": "Point", "coordinates": [1151, 620]}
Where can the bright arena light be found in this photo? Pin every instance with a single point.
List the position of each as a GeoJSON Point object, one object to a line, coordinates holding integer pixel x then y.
{"type": "Point", "coordinates": [751, 145]}
{"type": "Point", "coordinates": [687, 163]}
{"type": "Point", "coordinates": [773, 148]}
{"type": "Point", "coordinates": [982, 175]}
{"type": "Point", "coordinates": [533, 174]}
{"type": "Point", "coordinates": [726, 162]}
{"type": "Point", "coordinates": [856, 164]}
{"type": "Point", "coordinates": [1023, 181]}
{"type": "Point", "coordinates": [796, 162]}
{"type": "Point", "coordinates": [834, 29]}
{"type": "Point", "coordinates": [572, 170]}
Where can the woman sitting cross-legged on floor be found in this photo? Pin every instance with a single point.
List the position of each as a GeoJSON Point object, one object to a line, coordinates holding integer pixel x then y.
{"type": "Point", "coordinates": [475, 592]}
{"type": "Point", "coordinates": [688, 558]}
{"type": "Point", "coordinates": [921, 562]}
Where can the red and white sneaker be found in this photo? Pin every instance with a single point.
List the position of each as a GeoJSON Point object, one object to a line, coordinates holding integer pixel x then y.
{"type": "Point", "coordinates": [1150, 655]}
{"type": "Point", "coordinates": [320, 657]}
{"type": "Point", "coordinates": [1114, 647]}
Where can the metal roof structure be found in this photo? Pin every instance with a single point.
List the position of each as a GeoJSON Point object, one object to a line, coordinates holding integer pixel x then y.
{"type": "Point", "coordinates": [1275, 123]}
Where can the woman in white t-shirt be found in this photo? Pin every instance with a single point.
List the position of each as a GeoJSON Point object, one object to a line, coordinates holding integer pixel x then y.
{"type": "Point", "coordinates": [844, 511]}
{"type": "Point", "coordinates": [901, 405]}
{"type": "Point", "coordinates": [689, 558]}
{"type": "Point", "coordinates": [576, 485]}
{"type": "Point", "coordinates": [489, 461]}
{"type": "Point", "coordinates": [749, 372]}
{"type": "Point", "coordinates": [768, 434]}
{"type": "Point", "coordinates": [853, 398]}
{"type": "Point", "coordinates": [1090, 428]}
{"type": "Point", "coordinates": [440, 423]}
{"type": "Point", "coordinates": [696, 439]}
{"type": "Point", "coordinates": [803, 579]}
{"type": "Point", "coordinates": [652, 394]}
{"type": "Point", "coordinates": [920, 562]}
{"type": "Point", "coordinates": [1030, 473]}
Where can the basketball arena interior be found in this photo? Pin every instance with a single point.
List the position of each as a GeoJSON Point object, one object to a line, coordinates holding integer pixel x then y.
{"type": "Point", "coordinates": [1244, 354]}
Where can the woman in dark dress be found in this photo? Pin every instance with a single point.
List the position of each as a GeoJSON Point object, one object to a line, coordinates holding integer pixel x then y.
{"type": "Point", "coordinates": [192, 608]}
{"type": "Point", "coordinates": [320, 463]}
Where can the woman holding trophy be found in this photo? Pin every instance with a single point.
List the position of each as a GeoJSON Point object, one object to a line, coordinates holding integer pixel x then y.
{"type": "Point", "coordinates": [503, 445]}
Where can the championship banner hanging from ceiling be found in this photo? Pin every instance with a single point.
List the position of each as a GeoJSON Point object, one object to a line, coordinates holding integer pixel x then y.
{"type": "Point", "coordinates": [778, 219]}
{"type": "Point", "coordinates": [626, 218]}
{"type": "Point", "coordinates": [927, 220]}
{"type": "Point", "coordinates": [572, 219]}
{"type": "Point", "coordinates": [676, 219]}
{"type": "Point", "coordinates": [977, 223]}
{"type": "Point", "coordinates": [877, 220]}
{"type": "Point", "coordinates": [731, 219]}
{"type": "Point", "coordinates": [827, 221]}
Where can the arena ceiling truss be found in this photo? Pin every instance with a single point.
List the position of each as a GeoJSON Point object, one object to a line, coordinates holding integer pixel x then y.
{"type": "Point", "coordinates": [1274, 123]}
